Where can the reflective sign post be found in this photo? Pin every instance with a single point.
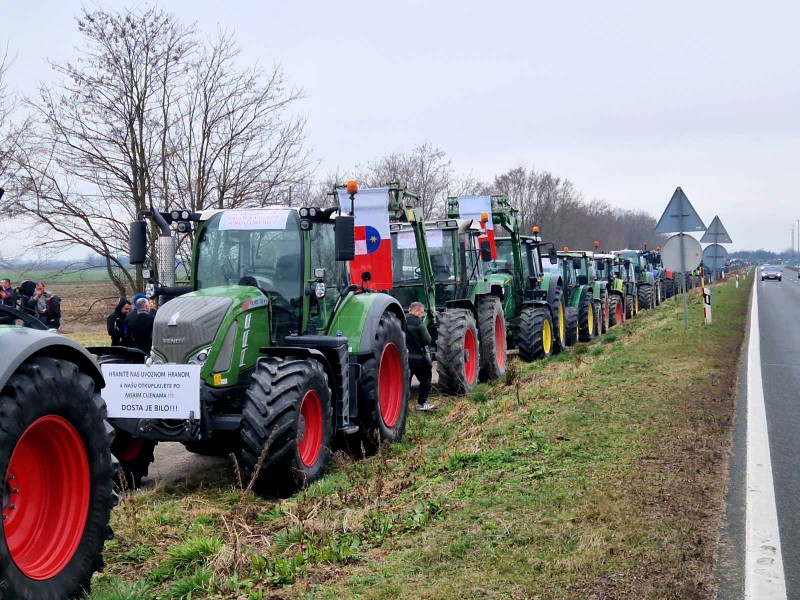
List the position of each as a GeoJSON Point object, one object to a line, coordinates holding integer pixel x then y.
{"type": "Point", "coordinates": [680, 216]}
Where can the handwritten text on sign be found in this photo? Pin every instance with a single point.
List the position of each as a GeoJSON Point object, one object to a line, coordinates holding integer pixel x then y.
{"type": "Point", "coordinates": [157, 392]}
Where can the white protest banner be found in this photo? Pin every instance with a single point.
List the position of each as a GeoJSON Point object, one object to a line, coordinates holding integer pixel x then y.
{"type": "Point", "coordinates": [255, 219]}
{"type": "Point", "coordinates": [156, 392]}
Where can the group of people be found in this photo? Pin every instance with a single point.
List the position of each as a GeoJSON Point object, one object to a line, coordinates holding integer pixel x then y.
{"type": "Point", "coordinates": [42, 303]}
{"type": "Point", "coordinates": [131, 323]}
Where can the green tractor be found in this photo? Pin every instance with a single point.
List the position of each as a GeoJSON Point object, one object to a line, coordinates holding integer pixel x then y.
{"type": "Point", "coordinates": [440, 264]}
{"type": "Point", "coordinates": [542, 329]}
{"type": "Point", "coordinates": [577, 268]}
{"type": "Point", "coordinates": [289, 353]}
{"type": "Point", "coordinates": [604, 266]}
{"type": "Point", "coordinates": [648, 284]}
{"type": "Point", "coordinates": [55, 461]}
{"type": "Point", "coordinates": [624, 271]}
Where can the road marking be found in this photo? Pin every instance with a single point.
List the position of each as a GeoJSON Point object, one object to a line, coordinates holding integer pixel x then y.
{"type": "Point", "coordinates": [763, 561]}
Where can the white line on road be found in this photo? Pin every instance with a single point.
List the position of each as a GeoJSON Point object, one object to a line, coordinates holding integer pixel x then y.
{"type": "Point", "coordinates": [763, 561]}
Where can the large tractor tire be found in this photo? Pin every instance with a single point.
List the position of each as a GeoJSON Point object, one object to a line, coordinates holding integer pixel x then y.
{"type": "Point", "coordinates": [55, 457]}
{"type": "Point", "coordinates": [559, 317]}
{"type": "Point", "coordinates": [605, 312]}
{"type": "Point", "coordinates": [616, 310]}
{"type": "Point", "coordinates": [384, 387]}
{"type": "Point", "coordinates": [536, 339]}
{"type": "Point", "coordinates": [492, 331]}
{"type": "Point", "coordinates": [572, 324]}
{"type": "Point", "coordinates": [586, 319]}
{"type": "Point", "coordinates": [457, 351]}
{"type": "Point", "coordinates": [645, 298]}
{"type": "Point", "coordinates": [669, 288]}
{"type": "Point", "coordinates": [135, 455]}
{"type": "Point", "coordinates": [287, 425]}
{"type": "Point", "coordinates": [630, 306]}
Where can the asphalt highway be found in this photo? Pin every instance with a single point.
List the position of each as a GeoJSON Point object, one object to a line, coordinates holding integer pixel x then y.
{"type": "Point", "coordinates": [778, 310]}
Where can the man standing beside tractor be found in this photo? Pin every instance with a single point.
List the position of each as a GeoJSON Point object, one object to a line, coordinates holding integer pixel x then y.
{"type": "Point", "coordinates": [418, 339]}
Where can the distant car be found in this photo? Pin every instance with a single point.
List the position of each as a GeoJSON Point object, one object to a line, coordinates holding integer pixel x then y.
{"type": "Point", "coordinates": [772, 272]}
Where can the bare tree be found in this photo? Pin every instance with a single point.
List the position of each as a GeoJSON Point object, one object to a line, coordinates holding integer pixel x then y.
{"type": "Point", "coordinates": [425, 170]}
{"type": "Point", "coordinates": [149, 117]}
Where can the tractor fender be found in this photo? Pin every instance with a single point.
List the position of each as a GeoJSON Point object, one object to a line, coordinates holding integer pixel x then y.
{"type": "Point", "coordinates": [381, 304]}
{"type": "Point", "coordinates": [465, 304]}
{"type": "Point", "coordinates": [18, 344]}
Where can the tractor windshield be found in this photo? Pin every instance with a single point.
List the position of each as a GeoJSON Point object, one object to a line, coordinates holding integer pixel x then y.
{"type": "Point", "coordinates": [252, 247]}
{"type": "Point", "coordinates": [504, 262]}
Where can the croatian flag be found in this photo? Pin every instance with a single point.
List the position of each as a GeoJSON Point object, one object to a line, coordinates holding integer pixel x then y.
{"type": "Point", "coordinates": [373, 243]}
{"type": "Point", "coordinates": [471, 207]}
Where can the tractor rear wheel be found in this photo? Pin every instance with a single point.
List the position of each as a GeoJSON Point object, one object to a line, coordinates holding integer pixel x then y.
{"type": "Point", "coordinates": [645, 296]}
{"type": "Point", "coordinates": [57, 469]}
{"type": "Point", "coordinates": [457, 351]}
{"type": "Point", "coordinates": [287, 425]}
{"type": "Point", "coordinates": [606, 312]}
{"type": "Point", "coordinates": [384, 387]}
{"type": "Point", "coordinates": [536, 339]}
{"type": "Point", "coordinates": [571, 319]}
{"type": "Point", "coordinates": [586, 319]}
{"type": "Point", "coordinates": [629, 306]}
{"type": "Point", "coordinates": [559, 317]}
{"type": "Point", "coordinates": [492, 329]}
{"type": "Point", "coordinates": [616, 311]}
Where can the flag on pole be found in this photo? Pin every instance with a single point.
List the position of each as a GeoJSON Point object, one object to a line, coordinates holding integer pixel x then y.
{"type": "Point", "coordinates": [472, 207]}
{"type": "Point", "coordinates": [373, 243]}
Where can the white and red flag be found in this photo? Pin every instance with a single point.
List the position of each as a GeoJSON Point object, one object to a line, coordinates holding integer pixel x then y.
{"type": "Point", "coordinates": [373, 242]}
{"type": "Point", "coordinates": [472, 207]}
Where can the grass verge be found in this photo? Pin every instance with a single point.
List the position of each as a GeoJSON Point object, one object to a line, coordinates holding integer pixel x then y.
{"type": "Point", "coordinates": [597, 474]}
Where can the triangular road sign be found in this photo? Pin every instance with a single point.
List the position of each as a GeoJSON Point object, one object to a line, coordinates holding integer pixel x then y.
{"type": "Point", "coordinates": [716, 234]}
{"type": "Point", "coordinates": [679, 206]}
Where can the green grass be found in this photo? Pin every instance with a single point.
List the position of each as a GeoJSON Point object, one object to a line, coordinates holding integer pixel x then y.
{"type": "Point", "coordinates": [598, 472]}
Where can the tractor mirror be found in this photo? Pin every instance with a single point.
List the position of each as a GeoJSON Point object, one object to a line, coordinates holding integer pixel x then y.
{"type": "Point", "coordinates": [486, 251]}
{"type": "Point", "coordinates": [345, 229]}
{"type": "Point", "coordinates": [577, 263]}
{"type": "Point", "coordinates": [137, 248]}
{"type": "Point", "coordinates": [552, 255]}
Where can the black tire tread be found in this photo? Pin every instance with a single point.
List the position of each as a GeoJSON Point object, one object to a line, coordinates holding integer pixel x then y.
{"type": "Point", "coordinates": [452, 328]}
{"type": "Point", "coordinates": [488, 308]}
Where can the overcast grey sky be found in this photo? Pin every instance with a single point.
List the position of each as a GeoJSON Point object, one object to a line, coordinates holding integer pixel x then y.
{"type": "Point", "coordinates": [627, 99]}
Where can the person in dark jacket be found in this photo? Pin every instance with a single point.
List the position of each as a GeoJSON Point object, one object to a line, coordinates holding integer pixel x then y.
{"type": "Point", "coordinates": [417, 341]}
{"type": "Point", "coordinates": [115, 324]}
{"type": "Point", "coordinates": [7, 298]}
{"type": "Point", "coordinates": [140, 326]}
{"type": "Point", "coordinates": [47, 307]}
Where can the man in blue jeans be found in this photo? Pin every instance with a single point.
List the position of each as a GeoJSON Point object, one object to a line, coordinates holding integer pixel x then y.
{"type": "Point", "coordinates": [417, 341]}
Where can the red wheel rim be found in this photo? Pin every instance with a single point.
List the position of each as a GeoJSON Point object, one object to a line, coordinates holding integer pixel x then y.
{"type": "Point", "coordinates": [310, 429]}
{"type": "Point", "coordinates": [470, 357]}
{"type": "Point", "coordinates": [390, 385]}
{"type": "Point", "coordinates": [131, 451]}
{"type": "Point", "coordinates": [620, 313]}
{"type": "Point", "coordinates": [500, 340]}
{"type": "Point", "coordinates": [46, 497]}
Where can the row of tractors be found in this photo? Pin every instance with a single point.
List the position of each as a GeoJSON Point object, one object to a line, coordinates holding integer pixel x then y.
{"type": "Point", "coordinates": [525, 294]}
{"type": "Point", "coordinates": [294, 358]}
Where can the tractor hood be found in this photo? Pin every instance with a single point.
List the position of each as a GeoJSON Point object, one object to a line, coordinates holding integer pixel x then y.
{"type": "Point", "coordinates": [186, 323]}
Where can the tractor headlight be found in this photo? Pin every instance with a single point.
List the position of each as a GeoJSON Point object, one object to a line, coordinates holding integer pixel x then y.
{"type": "Point", "coordinates": [150, 290]}
{"type": "Point", "coordinates": [312, 212]}
{"type": "Point", "coordinates": [319, 289]}
{"type": "Point", "coordinates": [305, 225]}
{"type": "Point", "coordinates": [175, 215]}
{"type": "Point", "coordinates": [303, 213]}
{"type": "Point", "coordinates": [199, 357]}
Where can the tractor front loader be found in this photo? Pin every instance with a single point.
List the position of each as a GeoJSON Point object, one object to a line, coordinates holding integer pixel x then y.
{"type": "Point", "coordinates": [290, 354]}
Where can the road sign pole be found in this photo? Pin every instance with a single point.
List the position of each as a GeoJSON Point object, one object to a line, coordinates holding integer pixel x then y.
{"type": "Point", "coordinates": [683, 271]}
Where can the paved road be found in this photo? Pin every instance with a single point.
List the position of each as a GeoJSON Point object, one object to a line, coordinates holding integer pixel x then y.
{"type": "Point", "coordinates": [778, 309]}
